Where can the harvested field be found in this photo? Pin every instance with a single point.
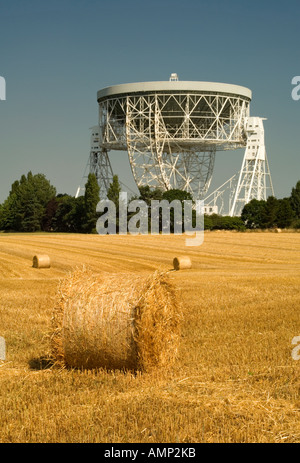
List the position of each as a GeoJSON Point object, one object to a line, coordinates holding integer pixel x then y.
{"type": "Point", "coordinates": [235, 379]}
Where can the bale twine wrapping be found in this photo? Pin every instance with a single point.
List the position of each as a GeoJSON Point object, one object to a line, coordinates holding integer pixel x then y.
{"type": "Point", "coordinates": [116, 321]}
{"type": "Point", "coordinates": [181, 263]}
{"type": "Point", "coordinates": [41, 261]}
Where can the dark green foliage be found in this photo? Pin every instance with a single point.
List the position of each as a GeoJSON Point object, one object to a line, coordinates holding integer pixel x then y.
{"type": "Point", "coordinates": [114, 190]}
{"type": "Point", "coordinates": [25, 207]}
{"type": "Point", "coordinates": [91, 199]}
{"type": "Point", "coordinates": [146, 194]}
{"type": "Point", "coordinates": [272, 213]}
{"type": "Point", "coordinates": [285, 213]}
{"type": "Point", "coordinates": [219, 222]}
{"type": "Point", "coordinates": [208, 222]}
{"type": "Point", "coordinates": [32, 205]}
{"type": "Point", "coordinates": [50, 211]}
{"type": "Point", "coordinates": [68, 214]}
{"type": "Point", "coordinates": [296, 224]}
{"type": "Point", "coordinates": [295, 200]}
{"type": "Point", "coordinates": [269, 214]}
{"type": "Point", "coordinates": [179, 195]}
{"type": "Point", "coordinates": [173, 194]}
{"type": "Point", "coordinates": [253, 214]}
{"type": "Point", "coordinates": [113, 193]}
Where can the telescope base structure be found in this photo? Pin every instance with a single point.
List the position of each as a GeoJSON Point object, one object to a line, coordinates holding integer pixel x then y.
{"type": "Point", "coordinates": [253, 180]}
{"type": "Point", "coordinates": [189, 171]}
{"type": "Point", "coordinates": [192, 171]}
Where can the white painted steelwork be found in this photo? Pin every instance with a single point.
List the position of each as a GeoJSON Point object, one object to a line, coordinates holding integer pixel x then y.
{"type": "Point", "coordinates": [253, 181]}
{"type": "Point", "coordinates": [172, 130]}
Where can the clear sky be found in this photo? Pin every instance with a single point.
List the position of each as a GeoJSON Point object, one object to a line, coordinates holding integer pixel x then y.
{"type": "Point", "coordinates": [55, 55]}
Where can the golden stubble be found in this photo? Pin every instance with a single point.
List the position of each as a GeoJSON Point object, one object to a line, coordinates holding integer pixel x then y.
{"type": "Point", "coordinates": [234, 379]}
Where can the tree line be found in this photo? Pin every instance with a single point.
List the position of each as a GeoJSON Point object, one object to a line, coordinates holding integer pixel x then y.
{"type": "Point", "coordinates": [34, 205]}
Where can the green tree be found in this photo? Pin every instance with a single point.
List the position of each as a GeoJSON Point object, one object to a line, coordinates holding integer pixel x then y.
{"type": "Point", "coordinates": [8, 213]}
{"type": "Point", "coordinates": [208, 223]}
{"type": "Point", "coordinates": [50, 211]}
{"type": "Point", "coordinates": [285, 213]}
{"type": "Point", "coordinates": [33, 193]}
{"type": "Point", "coordinates": [26, 204]}
{"type": "Point", "coordinates": [219, 222]}
{"type": "Point", "coordinates": [91, 199]}
{"type": "Point", "coordinates": [269, 214]}
{"type": "Point", "coordinates": [113, 193]}
{"type": "Point", "coordinates": [178, 195]}
{"type": "Point", "coordinates": [63, 219]}
{"type": "Point", "coordinates": [295, 200]}
{"type": "Point", "coordinates": [174, 193]}
{"type": "Point", "coordinates": [114, 190]}
{"type": "Point", "coordinates": [147, 194]}
{"type": "Point", "coordinates": [253, 214]}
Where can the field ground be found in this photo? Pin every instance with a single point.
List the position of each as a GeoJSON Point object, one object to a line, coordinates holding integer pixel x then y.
{"type": "Point", "coordinates": [235, 379]}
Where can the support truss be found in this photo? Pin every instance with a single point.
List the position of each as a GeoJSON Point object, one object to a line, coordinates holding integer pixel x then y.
{"type": "Point", "coordinates": [220, 200]}
{"type": "Point", "coordinates": [255, 178]}
{"type": "Point", "coordinates": [253, 181]}
{"type": "Point", "coordinates": [99, 163]}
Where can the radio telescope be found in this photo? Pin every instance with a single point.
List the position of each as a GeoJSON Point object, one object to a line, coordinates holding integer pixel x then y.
{"type": "Point", "coordinates": [171, 131]}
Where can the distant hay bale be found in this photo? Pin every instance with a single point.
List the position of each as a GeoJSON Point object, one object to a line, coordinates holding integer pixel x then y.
{"type": "Point", "coordinates": [278, 230]}
{"type": "Point", "coordinates": [116, 321]}
{"type": "Point", "coordinates": [182, 263]}
{"type": "Point", "coordinates": [41, 261]}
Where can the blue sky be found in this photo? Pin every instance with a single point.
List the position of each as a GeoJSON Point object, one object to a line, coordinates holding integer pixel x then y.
{"type": "Point", "coordinates": [56, 55]}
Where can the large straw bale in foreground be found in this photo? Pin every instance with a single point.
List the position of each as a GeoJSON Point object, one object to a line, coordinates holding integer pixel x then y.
{"type": "Point", "coordinates": [116, 321]}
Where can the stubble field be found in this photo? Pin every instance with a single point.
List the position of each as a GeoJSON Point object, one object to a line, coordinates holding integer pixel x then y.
{"type": "Point", "coordinates": [235, 379]}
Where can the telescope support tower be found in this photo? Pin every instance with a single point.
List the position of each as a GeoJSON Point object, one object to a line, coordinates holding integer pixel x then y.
{"type": "Point", "coordinates": [99, 163]}
{"type": "Point", "coordinates": [255, 177]}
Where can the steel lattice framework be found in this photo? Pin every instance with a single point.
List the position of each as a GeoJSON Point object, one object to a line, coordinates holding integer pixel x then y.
{"type": "Point", "coordinates": [172, 130]}
{"type": "Point", "coordinates": [253, 181]}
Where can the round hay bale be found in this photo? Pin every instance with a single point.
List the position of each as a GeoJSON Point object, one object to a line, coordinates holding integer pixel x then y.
{"type": "Point", "coordinates": [41, 261]}
{"type": "Point", "coordinates": [182, 263]}
{"type": "Point", "coordinates": [116, 321]}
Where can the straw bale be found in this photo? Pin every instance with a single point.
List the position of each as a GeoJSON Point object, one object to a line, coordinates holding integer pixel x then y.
{"type": "Point", "coordinates": [41, 261]}
{"type": "Point", "coordinates": [116, 321]}
{"type": "Point", "coordinates": [182, 263]}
